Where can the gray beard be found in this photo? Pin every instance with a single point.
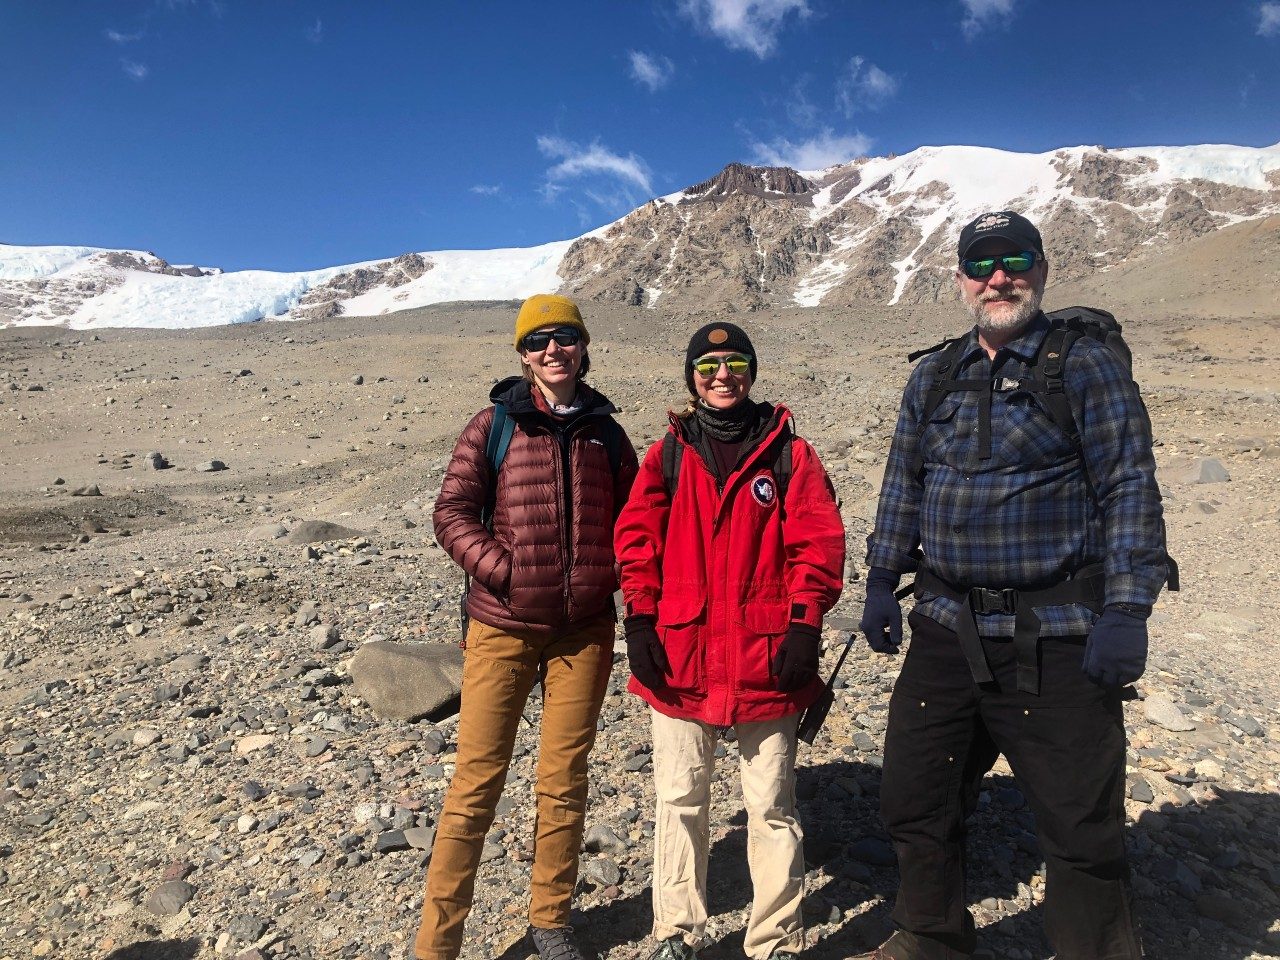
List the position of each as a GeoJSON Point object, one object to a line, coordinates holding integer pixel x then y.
{"type": "Point", "coordinates": [1028, 306]}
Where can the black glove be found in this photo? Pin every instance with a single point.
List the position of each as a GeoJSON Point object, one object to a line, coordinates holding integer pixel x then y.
{"type": "Point", "coordinates": [882, 614]}
{"type": "Point", "coordinates": [1116, 652]}
{"type": "Point", "coordinates": [795, 662]}
{"type": "Point", "coordinates": [645, 655]}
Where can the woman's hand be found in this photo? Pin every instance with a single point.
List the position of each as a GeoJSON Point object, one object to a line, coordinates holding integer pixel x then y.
{"type": "Point", "coordinates": [796, 661]}
{"type": "Point", "coordinates": [645, 655]}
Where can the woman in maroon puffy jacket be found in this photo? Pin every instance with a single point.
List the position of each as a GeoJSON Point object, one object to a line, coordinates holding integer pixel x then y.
{"type": "Point", "coordinates": [540, 606]}
{"type": "Point", "coordinates": [730, 558]}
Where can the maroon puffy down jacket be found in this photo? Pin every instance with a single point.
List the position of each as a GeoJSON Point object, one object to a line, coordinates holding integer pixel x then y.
{"type": "Point", "coordinates": [549, 561]}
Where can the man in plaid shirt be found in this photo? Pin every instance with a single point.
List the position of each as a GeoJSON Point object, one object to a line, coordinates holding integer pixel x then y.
{"type": "Point", "coordinates": [1037, 557]}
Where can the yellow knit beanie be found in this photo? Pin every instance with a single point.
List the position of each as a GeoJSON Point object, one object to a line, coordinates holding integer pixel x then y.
{"type": "Point", "coordinates": [545, 310]}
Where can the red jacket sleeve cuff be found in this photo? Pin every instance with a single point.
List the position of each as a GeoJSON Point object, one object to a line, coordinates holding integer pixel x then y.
{"type": "Point", "coordinates": [807, 612]}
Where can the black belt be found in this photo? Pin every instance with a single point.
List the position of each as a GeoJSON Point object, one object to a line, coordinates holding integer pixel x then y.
{"type": "Point", "coordinates": [1086, 587]}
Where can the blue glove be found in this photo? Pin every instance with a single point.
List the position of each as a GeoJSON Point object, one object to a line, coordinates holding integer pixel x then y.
{"type": "Point", "coordinates": [882, 614]}
{"type": "Point", "coordinates": [1116, 652]}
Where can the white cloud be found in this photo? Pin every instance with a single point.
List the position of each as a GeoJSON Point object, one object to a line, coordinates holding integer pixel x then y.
{"type": "Point", "coordinates": [594, 160]}
{"type": "Point", "coordinates": [824, 150]}
{"type": "Point", "coordinates": [801, 111]}
{"type": "Point", "coordinates": [315, 32]}
{"type": "Point", "coordinates": [117, 36]}
{"type": "Point", "coordinates": [652, 71]}
{"type": "Point", "coordinates": [138, 71]}
{"type": "Point", "coordinates": [1269, 19]}
{"type": "Point", "coordinates": [980, 13]}
{"type": "Point", "coordinates": [864, 87]}
{"type": "Point", "coordinates": [751, 25]}
{"type": "Point", "coordinates": [486, 189]}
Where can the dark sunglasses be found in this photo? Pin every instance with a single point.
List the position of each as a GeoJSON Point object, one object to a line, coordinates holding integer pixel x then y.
{"type": "Point", "coordinates": [1009, 263]}
{"type": "Point", "coordinates": [539, 340]}
{"type": "Point", "coordinates": [709, 366]}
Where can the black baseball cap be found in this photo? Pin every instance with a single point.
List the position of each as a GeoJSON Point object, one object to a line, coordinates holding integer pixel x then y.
{"type": "Point", "coordinates": [1006, 225]}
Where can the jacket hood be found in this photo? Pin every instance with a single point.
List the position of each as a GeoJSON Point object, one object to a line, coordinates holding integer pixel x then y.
{"type": "Point", "coordinates": [515, 393]}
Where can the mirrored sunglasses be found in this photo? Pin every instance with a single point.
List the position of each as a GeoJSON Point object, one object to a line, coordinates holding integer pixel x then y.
{"type": "Point", "coordinates": [1009, 263]}
{"type": "Point", "coordinates": [737, 364]}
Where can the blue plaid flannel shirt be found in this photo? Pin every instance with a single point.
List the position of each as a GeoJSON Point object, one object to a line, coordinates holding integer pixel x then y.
{"type": "Point", "coordinates": [1026, 515]}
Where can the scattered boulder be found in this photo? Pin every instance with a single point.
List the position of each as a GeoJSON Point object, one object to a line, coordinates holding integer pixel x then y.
{"type": "Point", "coordinates": [319, 531]}
{"type": "Point", "coordinates": [1204, 470]}
{"type": "Point", "coordinates": [1163, 712]}
{"type": "Point", "coordinates": [407, 681]}
{"type": "Point", "coordinates": [168, 899]}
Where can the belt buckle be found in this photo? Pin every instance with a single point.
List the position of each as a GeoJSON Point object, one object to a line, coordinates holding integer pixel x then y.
{"type": "Point", "coordinates": [991, 600]}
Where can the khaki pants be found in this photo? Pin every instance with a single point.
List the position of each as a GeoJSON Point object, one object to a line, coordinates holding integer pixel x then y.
{"type": "Point", "coordinates": [499, 670]}
{"type": "Point", "coordinates": [683, 759]}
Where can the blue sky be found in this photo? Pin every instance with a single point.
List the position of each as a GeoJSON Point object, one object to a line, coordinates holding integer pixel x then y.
{"type": "Point", "coordinates": [290, 135]}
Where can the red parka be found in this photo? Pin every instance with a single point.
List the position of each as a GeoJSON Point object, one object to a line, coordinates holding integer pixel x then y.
{"type": "Point", "coordinates": [726, 572]}
{"type": "Point", "coordinates": [548, 561]}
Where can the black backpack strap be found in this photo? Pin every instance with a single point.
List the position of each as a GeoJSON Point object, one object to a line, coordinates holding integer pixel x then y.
{"type": "Point", "coordinates": [1049, 369]}
{"type": "Point", "coordinates": [612, 431]}
{"type": "Point", "coordinates": [782, 466]}
{"type": "Point", "coordinates": [915, 355]}
{"type": "Point", "coordinates": [672, 454]}
{"type": "Point", "coordinates": [942, 384]}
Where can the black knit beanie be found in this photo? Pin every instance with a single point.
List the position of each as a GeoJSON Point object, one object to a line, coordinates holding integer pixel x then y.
{"type": "Point", "coordinates": [719, 335]}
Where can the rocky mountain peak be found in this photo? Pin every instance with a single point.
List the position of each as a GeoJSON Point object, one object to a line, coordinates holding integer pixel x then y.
{"type": "Point", "coordinates": [739, 178]}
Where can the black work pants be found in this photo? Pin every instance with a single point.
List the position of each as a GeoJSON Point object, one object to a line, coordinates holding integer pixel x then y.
{"type": "Point", "coordinates": [1066, 748]}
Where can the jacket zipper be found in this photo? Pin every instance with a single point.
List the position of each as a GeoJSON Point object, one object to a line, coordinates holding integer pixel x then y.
{"type": "Point", "coordinates": [566, 529]}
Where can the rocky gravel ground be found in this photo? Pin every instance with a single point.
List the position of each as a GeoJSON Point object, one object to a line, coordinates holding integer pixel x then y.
{"type": "Point", "coordinates": [191, 762]}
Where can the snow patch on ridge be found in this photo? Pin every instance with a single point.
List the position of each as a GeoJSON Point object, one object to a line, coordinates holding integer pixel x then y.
{"type": "Point", "coordinates": [162, 301]}
{"type": "Point", "coordinates": [510, 274]}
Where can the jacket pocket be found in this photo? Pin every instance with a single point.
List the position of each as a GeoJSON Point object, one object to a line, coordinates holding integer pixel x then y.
{"type": "Point", "coordinates": [680, 624]}
{"type": "Point", "coordinates": [765, 623]}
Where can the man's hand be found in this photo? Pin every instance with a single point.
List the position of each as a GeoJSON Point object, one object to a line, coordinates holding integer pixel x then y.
{"type": "Point", "coordinates": [1116, 652]}
{"type": "Point", "coordinates": [645, 654]}
{"type": "Point", "coordinates": [795, 662]}
{"type": "Point", "coordinates": [882, 614]}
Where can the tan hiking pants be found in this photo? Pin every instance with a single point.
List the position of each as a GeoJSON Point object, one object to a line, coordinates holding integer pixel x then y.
{"type": "Point", "coordinates": [683, 760]}
{"type": "Point", "coordinates": [499, 670]}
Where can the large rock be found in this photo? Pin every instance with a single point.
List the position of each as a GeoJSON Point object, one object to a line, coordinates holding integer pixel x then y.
{"type": "Point", "coordinates": [318, 531]}
{"type": "Point", "coordinates": [405, 681]}
{"type": "Point", "coordinates": [1163, 712]}
{"type": "Point", "coordinates": [1205, 470]}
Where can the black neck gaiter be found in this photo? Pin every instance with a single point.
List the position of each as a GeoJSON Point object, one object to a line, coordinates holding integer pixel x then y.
{"type": "Point", "coordinates": [728, 426]}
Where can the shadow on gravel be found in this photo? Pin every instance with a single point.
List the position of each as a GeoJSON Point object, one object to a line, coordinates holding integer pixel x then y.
{"type": "Point", "coordinates": [1205, 875]}
{"type": "Point", "coordinates": [157, 950]}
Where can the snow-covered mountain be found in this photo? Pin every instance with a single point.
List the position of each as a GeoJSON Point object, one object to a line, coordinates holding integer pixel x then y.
{"type": "Point", "coordinates": [884, 229]}
{"type": "Point", "coordinates": [879, 229]}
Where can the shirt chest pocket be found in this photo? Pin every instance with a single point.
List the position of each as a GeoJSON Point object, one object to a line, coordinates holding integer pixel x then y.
{"type": "Point", "coordinates": [1029, 436]}
{"type": "Point", "coordinates": [942, 435]}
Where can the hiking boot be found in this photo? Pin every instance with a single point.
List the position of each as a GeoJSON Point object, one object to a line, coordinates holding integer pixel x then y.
{"type": "Point", "coordinates": [907, 946]}
{"type": "Point", "coordinates": [555, 943]}
{"type": "Point", "coordinates": [673, 948]}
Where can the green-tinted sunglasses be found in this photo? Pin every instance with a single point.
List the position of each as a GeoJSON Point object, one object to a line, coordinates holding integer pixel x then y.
{"type": "Point", "coordinates": [737, 363]}
{"type": "Point", "coordinates": [1009, 263]}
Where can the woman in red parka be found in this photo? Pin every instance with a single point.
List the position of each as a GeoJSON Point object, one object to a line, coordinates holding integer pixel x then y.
{"type": "Point", "coordinates": [535, 536]}
{"type": "Point", "coordinates": [732, 550]}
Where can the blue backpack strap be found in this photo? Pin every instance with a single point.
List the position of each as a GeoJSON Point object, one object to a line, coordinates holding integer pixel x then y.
{"type": "Point", "coordinates": [501, 430]}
